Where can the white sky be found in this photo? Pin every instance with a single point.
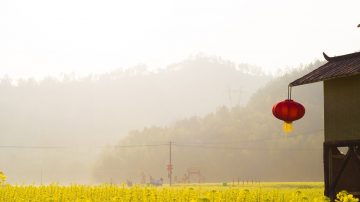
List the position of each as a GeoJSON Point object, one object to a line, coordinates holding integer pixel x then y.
{"type": "Point", "coordinates": [42, 37]}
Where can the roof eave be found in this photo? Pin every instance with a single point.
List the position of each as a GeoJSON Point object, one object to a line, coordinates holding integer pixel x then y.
{"type": "Point", "coordinates": [312, 78]}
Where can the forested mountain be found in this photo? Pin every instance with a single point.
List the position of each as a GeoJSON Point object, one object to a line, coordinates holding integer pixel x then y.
{"type": "Point", "coordinates": [244, 142]}
{"type": "Point", "coordinates": [80, 115]}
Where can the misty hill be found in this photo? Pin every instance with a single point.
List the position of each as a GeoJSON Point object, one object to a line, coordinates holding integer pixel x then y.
{"type": "Point", "coordinates": [101, 109]}
{"type": "Point", "coordinates": [243, 142]}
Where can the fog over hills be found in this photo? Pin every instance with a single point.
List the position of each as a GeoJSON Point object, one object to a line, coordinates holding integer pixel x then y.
{"type": "Point", "coordinates": [72, 119]}
{"type": "Point", "coordinates": [241, 142]}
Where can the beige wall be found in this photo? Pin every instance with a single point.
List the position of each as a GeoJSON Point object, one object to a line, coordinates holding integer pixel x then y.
{"type": "Point", "coordinates": [342, 108]}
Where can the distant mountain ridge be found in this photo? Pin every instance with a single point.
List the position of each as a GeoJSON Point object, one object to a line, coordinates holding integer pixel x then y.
{"type": "Point", "coordinates": [243, 142]}
{"type": "Point", "coordinates": [101, 109]}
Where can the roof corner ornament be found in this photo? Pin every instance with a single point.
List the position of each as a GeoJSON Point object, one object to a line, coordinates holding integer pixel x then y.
{"type": "Point", "coordinates": [327, 58]}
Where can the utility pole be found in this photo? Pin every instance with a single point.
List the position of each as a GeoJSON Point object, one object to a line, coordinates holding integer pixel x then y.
{"type": "Point", "coordinates": [170, 165]}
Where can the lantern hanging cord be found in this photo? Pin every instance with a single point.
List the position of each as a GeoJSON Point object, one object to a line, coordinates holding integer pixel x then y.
{"type": "Point", "coordinates": [289, 92]}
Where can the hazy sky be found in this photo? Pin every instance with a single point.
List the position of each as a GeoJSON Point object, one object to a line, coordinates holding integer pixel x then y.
{"type": "Point", "coordinates": [41, 37]}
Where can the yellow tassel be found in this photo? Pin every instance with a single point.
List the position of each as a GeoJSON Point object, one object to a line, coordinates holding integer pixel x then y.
{"type": "Point", "coordinates": [287, 127]}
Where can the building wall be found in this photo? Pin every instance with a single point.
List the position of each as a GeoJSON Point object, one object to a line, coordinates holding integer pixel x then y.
{"type": "Point", "coordinates": [342, 108]}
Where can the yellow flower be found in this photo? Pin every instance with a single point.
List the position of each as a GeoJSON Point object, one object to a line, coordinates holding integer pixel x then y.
{"type": "Point", "coordinates": [2, 177]}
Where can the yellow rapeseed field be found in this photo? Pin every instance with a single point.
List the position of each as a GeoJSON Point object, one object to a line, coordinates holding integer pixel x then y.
{"type": "Point", "coordinates": [270, 192]}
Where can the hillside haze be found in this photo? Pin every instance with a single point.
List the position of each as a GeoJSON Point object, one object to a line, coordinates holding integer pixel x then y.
{"type": "Point", "coordinates": [241, 142]}
{"type": "Point", "coordinates": [72, 119]}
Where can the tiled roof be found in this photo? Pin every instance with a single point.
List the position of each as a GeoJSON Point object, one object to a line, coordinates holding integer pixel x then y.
{"type": "Point", "coordinates": [336, 67]}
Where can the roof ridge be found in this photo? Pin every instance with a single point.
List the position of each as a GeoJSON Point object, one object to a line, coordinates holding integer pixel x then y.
{"type": "Point", "coordinates": [341, 57]}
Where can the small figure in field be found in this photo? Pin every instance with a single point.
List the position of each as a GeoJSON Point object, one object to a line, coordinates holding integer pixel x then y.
{"type": "Point", "coordinates": [129, 183]}
{"type": "Point", "coordinates": [143, 178]}
{"type": "Point", "coordinates": [156, 182]}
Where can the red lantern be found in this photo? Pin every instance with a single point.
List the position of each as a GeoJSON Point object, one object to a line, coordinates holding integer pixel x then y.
{"type": "Point", "coordinates": [288, 111]}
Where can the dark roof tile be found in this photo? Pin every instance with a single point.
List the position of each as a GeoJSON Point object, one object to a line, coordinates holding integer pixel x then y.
{"type": "Point", "coordinates": [336, 67]}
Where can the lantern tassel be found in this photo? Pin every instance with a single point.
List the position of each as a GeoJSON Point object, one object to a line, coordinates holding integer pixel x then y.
{"type": "Point", "coordinates": [287, 127]}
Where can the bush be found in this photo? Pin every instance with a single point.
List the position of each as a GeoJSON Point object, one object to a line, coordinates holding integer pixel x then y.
{"type": "Point", "coordinates": [344, 196]}
{"type": "Point", "coordinates": [2, 178]}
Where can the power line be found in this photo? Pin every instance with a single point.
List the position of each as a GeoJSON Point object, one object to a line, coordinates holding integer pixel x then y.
{"type": "Point", "coordinates": [198, 146]}
{"type": "Point", "coordinates": [246, 148]}
{"type": "Point", "coordinates": [202, 144]}
{"type": "Point", "coordinates": [281, 137]}
{"type": "Point", "coordinates": [143, 145]}
{"type": "Point", "coordinates": [32, 147]}
{"type": "Point", "coordinates": [77, 147]}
